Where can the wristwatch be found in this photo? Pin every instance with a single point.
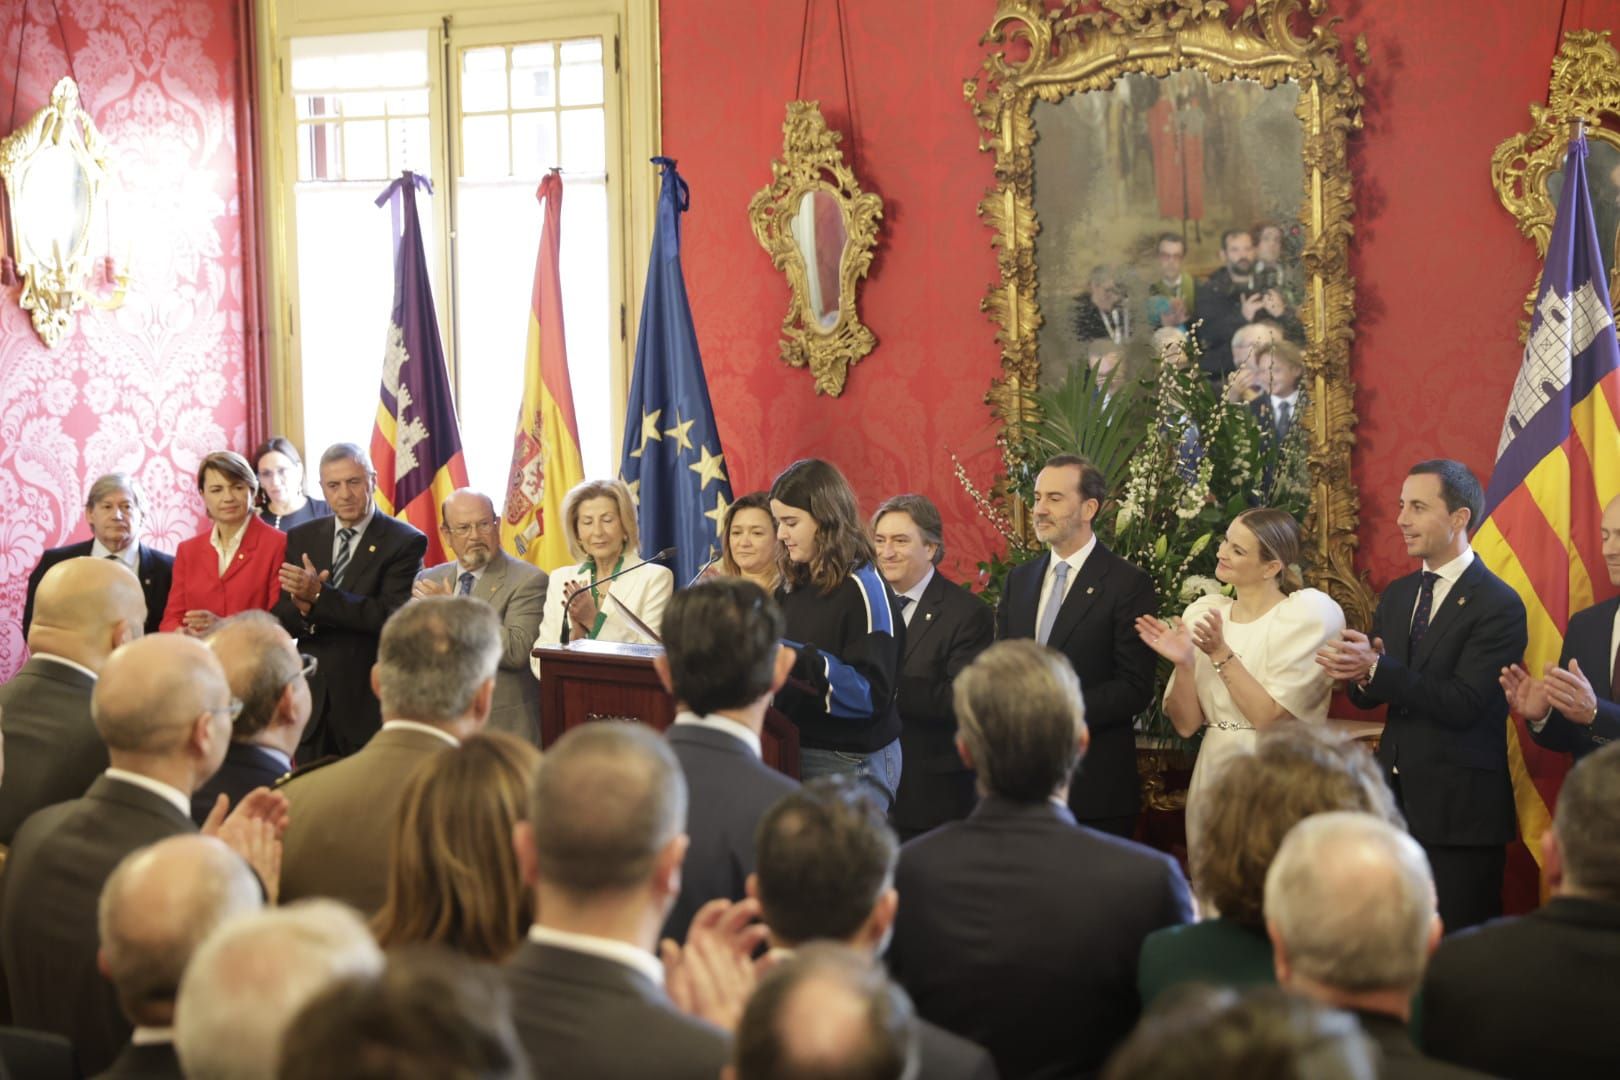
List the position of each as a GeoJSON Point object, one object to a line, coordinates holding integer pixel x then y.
{"type": "Point", "coordinates": [1219, 664]}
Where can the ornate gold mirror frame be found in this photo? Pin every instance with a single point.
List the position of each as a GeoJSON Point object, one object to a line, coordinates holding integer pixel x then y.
{"type": "Point", "coordinates": [792, 218]}
{"type": "Point", "coordinates": [1585, 87]}
{"type": "Point", "coordinates": [1048, 53]}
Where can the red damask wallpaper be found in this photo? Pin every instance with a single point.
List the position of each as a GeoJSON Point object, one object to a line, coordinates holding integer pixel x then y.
{"type": "Point", "coordinates": [155, 385]}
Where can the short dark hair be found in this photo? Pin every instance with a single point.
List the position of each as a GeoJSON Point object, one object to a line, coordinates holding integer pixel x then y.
{"type": "Point", "coordinates": [1587, 823]}
{"type": "Point", "coordinates": [721, 639]}
{"type": "Point", "coordinates": [230, 465]}
{"type": "Point", "coordinates": [820, 490]}
{"type": "Point", "coordinates": [1229, 233]}
{"type": "Point", "coordinates": [923, 513]}
{"type": "Point", "coordinates": [1093, 484]}
{"type": "Point", "coordinates": [1458, 486]}
{"type": "Point", "coordinates": [1170, 238]}
{"type": "Point", "coordinates": [1020, 714]}
{"type": "Point", "coordinates": [430, 1014]}
{"type": "Point", "coordinates": [824, 855]}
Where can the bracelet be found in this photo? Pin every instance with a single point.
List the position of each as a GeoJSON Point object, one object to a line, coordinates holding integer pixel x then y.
{"type": "Point", "coordinates": [1218, 665]}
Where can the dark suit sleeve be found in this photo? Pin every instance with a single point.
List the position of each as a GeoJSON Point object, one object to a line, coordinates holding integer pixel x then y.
{"type": "Point", "coordinates": [351, 611]}
{"type": "Point", "coordinates": [28, 601]}
{"type": "Point", "coordinates": [1360, 696]}
{"type": "Point", "coordinates": [1116, 702]}
{"type": "Point", "coordinates": [927, 698]}
{"type": "Point", "coordinates": [1563, 734]}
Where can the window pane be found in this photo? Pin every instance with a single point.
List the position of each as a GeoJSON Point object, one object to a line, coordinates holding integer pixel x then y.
{"type": "Point", "coordinates": [483, 80]}
{"type": "Point", "coordinates": [318, 152]}
{"type": "Point", "coordinates": [582, 72]}
{"type": "Point", "coordinates": [362, 104]}
{"type": "Point", "coordinates": [360, 61]}
{"type": "Point", "coordinates": [584, 140]}
{"type": "Point", "coordinates": [483, 147]}
{"type": "Point", "coordinates": [408, 103]}
{"type": "Point", "coordinates": [408, 146]}
{"type": "Point", "coordinates": [533, 77]}
{"type": "Point", "coordinates": [534, 144]}
{"type": "Point", "coordinates": [365, 150]}
{"type": "Point", "coordinates": [311, 106]}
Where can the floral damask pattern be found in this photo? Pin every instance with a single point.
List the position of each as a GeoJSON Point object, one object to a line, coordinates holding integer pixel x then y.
{"type": "Point", "coordinates": [153, 386]}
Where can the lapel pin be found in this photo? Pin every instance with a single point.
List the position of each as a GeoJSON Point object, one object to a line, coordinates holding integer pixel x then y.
{"type": "Point", "coordinates": [1461, 600]}
{"type": "Point", "coordinates": [372, 549]}
{"type": "Point", "coordinates": [928, 616]}
{"type": "Point", "coordinates": [1090, 590]}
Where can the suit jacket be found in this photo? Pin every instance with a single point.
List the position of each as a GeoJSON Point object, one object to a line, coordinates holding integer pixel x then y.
{"type": "Point", "coordinates": [48, 896]}
{"type": "Point", "coordinates": [943, 1056]}
{"type": "Point", "coordinates": [36, 1055]}
{"type": "Point", "coordinates": [731, 788]}
{"type": "Point", "coordinates": [245, 768]}
{"type": "Point", "coordinates": [343, 624]}
{"type": "Point", "coordinates": [585, 1016]}
{"type": "Point", "coordinates": [949, 628]}
{"type": "Point", "coordinates": [151, 1061]}
{"type": "Point", "coordinates": [1096, 630]}
{"type": "Point", "coordinates": [1399, 1058]}
{"type": "Point", "coordinates": [1445, 736]}
{"type": "Point", "coordinates": [517, 592]}
{"type": "Point", "coordinates": [341, 820]}
{"type": "Point", "coordinates": [1587, 640]}
{"type": "Point", "coordinates": [1042, 921]}
{"type": "Point", "coordinates": [156, 571]}
{"type": "Point", "coordinates": [53, 751]}
{"type": "Point", "coordinates": [252, 580]}
{"type": "Point", "coordinates": [1533, 996]}
{"type": "Point", "coordinates": [1216, 952]}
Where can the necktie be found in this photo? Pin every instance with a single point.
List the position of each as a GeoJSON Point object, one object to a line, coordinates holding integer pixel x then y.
{"type": "Point", "coordinates": [1060, 578]}
{"type": "Point", "coordinates": [114, 558]}
{"type": "Point", "coordinates": [1285, 419]}
{"type": "Point", "coordinates": [341, 563]}
{"type": "Point", "coordinates": [1420, 618]}
{"type": "Point", "coordinates": [466, 580]}
{"type": "Point", "coordinates": [1614, 679]}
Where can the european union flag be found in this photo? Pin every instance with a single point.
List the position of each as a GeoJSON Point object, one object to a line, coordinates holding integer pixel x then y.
{"type": "Point", "coordinates": [672, 458]}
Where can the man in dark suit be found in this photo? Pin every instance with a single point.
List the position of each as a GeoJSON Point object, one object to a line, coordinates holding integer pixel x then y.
{"type": "Point", "coordinates": [946, 627]}
{"type": "Point", "coordinates": [1439, 643]}
{"type": "Point", "coordinates": [343, 577]}
{"type": "Point", "coordinates": [157, 906]}
{"type": "Point", "coordinates": [271, 680]}
{"type": "Point", "coordinates": [1017, 928]}
{"type": "Point", "coordinates": [1083, 600]}
{"type": "Point", "coordinates": [87, 608]}
{"type": "Point", "coordinates": [1568, 709]}
{"type": "Point", "coordinates": [1536, 996]}
{"type": "Point", "coordinates": [723, 660]}
{"type": "Point", "coordinates": [113, 508]}
{"type": "Point", "coordinates": [587, 992]}
{"type": "Point", "coordinates": [826, 874]}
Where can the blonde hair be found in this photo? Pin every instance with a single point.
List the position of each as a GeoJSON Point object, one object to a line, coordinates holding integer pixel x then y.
{"type": "Point", "coordinates": [616, 490]}
{"type": "Point", "coordinates": [1279, 537]}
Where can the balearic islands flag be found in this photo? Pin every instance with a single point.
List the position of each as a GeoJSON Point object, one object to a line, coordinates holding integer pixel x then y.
{"type": "Point", "coordinates": [1557, 463]}
{"type": "Point", "coordinates": [545, 452]}
{"type": "Point", "coordinates": [416, 445]}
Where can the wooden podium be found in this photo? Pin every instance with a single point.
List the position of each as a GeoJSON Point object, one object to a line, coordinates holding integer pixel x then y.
{"type": "Point", "coordinates": [609, 680]}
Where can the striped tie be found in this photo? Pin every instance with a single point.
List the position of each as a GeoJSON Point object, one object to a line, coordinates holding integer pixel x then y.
{"type": "Point", "coordinates": [341, 563]}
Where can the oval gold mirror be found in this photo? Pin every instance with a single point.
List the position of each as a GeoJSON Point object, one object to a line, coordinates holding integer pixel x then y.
{"type": "Point", "coordinates": [821, 239]}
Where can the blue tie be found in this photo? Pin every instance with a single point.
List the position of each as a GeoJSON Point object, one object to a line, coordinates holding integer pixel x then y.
{"type": "Point", "coordinates": [466, 580]}
{"type": "Point", "coordinates": [1420, 618]}
{"type": "Point", "coordinates": [341, 563]}
{"type": "Point", "coordinates": [1060, 577]}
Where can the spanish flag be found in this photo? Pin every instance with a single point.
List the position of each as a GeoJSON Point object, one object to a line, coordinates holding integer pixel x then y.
{"type": "Point", "coordinates": [545, 451]}
{"type": "Point", "coordinates": [1557, 463]}
{"type": "Point", "coordinates": [416, 443]}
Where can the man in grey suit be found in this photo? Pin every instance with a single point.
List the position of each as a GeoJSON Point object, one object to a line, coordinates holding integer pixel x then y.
{"type": "Point", "coordinates": [85, 608]}
{"type": "Point", "coordinates": [516, 590]}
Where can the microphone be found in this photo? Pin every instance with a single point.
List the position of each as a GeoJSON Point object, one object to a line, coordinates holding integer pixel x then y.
{"type": "Point", "coordinates": [667, 553]}
{"type": "Point", "coordinates": [704, 569]}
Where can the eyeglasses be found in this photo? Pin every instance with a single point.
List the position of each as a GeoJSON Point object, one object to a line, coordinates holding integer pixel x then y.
{"type": "Point", "coordinates": [311, 664]}
{"type": "Point", "coordinates": [469, 528]}
{"type": "Point", "coordinates": [231, 710]}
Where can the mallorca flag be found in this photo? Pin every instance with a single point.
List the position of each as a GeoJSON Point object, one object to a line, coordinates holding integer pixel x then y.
{"type": "Point", "coordinates": [545, 452]}
{"type": "Point", "coordinates": [672, 458]}
{"type": "Point", "coordinates": [1558, 461]}
{"type": "Point", "coordinates": [416, 445]}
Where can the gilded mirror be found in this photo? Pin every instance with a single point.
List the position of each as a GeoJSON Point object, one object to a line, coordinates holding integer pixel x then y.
{"type": "Point", "coordinates": [1133, 143]}
{"type": "Point", "coordinates": [820, 229]}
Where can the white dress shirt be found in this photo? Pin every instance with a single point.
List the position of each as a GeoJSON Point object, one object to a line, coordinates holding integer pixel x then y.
{"type": "Point", "coordinates": [716, 722]}
{"type": "Point", "coordinates": [915, 594]}
{"type": "Point", "coordinates": [227, 548]}
{"type": "Point", "coordinates": [1449, 573]}
{"type": "Point", "coordinates": [359, 528]}
{"type": "Point", "coordinates": [619, 952]}
{"type": "Point", "coordinates": [179, 799]}
{"type": "Point", "coordinates": [130, 556]}
{"type": "Point", "coordinates": [1075, 561]}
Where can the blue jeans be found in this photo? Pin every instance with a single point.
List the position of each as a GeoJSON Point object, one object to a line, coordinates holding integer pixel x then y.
{"type": "Point", "coordinates": [880, 769]}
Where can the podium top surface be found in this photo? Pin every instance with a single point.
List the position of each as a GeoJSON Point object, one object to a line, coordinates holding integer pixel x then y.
{"type": "Point", "coordinates": [585, 647]}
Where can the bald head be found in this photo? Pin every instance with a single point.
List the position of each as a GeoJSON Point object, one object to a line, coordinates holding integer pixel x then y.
{"type": "Point", "coordinates": [471, 527]}
{"type": "Point", "coordinates": [152, 693]}
{"type": "Point", "coordinates": [1609, 533]}
{"type": "Point", "coordinates": [84, 609]}
{"type": "Point", "coordinates": [155, 910]}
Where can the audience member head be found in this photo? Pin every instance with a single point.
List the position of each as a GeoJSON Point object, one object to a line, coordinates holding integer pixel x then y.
{"type": "Point", "coordinates": [114, 507]}
{"type": "Point", "coordinates": [429, 1015]}
{"type": "Point", "coordinates": [723, 650]}
{"type": "Point", "coordinates": [748, 545]}
{"type": "Point", "coordinates": [1350, 908]}
{"type": "Point", "coordinates": [909, 537]}
{"type": "Point", "coordinates": [1170, 346]}
{"type": "Point", "coordinates": [267, 675]}
{"type": "Point", "coordinates": [1069, 490]}
{"type": "Point", "coordinates": [1020, 721]}
{"type": "Point", "coordinates": [1237, 251]}
{"type": "Point", "coordinates": [164, 709]}
{"type": "Point", "coordinates": [347, 480]}
{"type": "Point", "coordinates": [1261, 546]}
{"type": "Point", "coordinates": [229, 487]}
{"type": "Point", "coordinates": [824, 867]}
{"type": "Point", "coordinates": [84, 609]}
{"type": "Point", "coordinates": [1280, 365]}
{"type": "Point", "coordinates": [453, 877]}
{"type": "Point", "coordinates": [602, 524]}
{"type": "Point", "coordinates": [157, 907]}
{"type": "Point", "coordinates": [281, 474]}
{"type": "Point", "coordinates": [436, 662]}
{"type": "Point", "coordinates": [1170, 252]}
{"type": "Point", "coordinates": [826, 1014]}
{"type": "Point", "coordinates": [1441, 503]}
{"type": "Point", "coordinates": [820, 529]}
{"type": "Point", "coordinates": [471, 527]}
{"type": "Point", "coordinates": [1240, 817]}
{"type": "Point", "coordinates": [1103, 284]}
{"type": "Point", "coordinates": [1609, 534]}
{"type": "Point", "coordinates": [1268, 242]}
{"type": "Point", "coordinates": [1582, 848]}
{"type": "Point", "coordinates": [251, 977]}
{"type": "Point", "coordinates": [1105, 359]}
{"type": "Point", "coordinates": [1246, 344]}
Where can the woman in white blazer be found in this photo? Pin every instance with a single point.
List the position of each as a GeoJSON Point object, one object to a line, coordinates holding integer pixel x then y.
{"type": "Point", "coordinates": [603, 535]}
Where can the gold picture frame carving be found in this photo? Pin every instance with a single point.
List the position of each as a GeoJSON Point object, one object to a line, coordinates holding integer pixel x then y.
{"type": "Point", "coordinates": [1046, 53]}
{"type": "Point", "coordinates": [827, 340]}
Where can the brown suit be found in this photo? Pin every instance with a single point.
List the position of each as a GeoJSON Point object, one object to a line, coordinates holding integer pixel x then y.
{"type": "Point", "coordinates": [342, 818]}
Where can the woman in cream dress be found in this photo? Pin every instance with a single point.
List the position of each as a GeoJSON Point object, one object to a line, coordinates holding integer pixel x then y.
{"type": "Point", "coordinates": [1246, 662]}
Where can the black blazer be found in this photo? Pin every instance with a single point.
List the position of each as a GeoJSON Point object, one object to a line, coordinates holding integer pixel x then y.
{"type": "Point", "coordinates": [943, 1056]}
{"type": "Point", "coordinates": [949, 628]}
{"type": "Point", "coordinates": [1020, 930]}
{"type": "Point", "coordinates": [152, 1061]}
{"type": "Point", "coordinates": [1534, 996]}
{"type": "Point", "coordinates": [157, 570]}
{"type": "Point", "coordinates": [1445, 730]}
{"type": "Point", "coordinates": [1096, 630]}
{"type": "Point", "coordinates": [342, 627]}
{"type": "Point", "coordinates": [48, 895]}
{"type": "Point", "coordinates": [730, 790]}
{"type": "Point", "coordinates": [1587, 640]}
{"type": "Point", "coordinates": [1399, 1058]}
{"type": "Point", "coordinates": [245, 768]}
{"type": "Point", "coordinates": [52, 748]}
{"type": "Point", "coordinates": [584, 1016]}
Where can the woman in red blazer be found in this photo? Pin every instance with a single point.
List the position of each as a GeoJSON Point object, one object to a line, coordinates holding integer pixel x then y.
{"type": "Point", "coordinates": [234, 565]}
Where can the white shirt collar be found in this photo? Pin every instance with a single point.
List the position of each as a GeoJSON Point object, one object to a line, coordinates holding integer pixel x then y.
{"type": "Point", "coordinates": [716, 722]}
{"type": "Point", "coordinates": [1291, 400]}
{"type": "Point", "coordinates": [227, 548]}
{"type": "Point", "coordinates": [64, 661]}
{"type": "Point", "coordinates": [916, 591]}
{"type": "Point", "coordinates": [1075, 561]}
{"type": "Point", "coordinates": [412, 725]}
{"type": "Point", "coordinates": [619, 952]}
{"type": "Point", "coordinates": [1452, 570]}
{"type": "Point", "coordinates": [130, 556]}
{"type": "Point", "coordinates": [176, 797]}
{"type": "Point", "coordinates": [151, 1036]}
{"type": "Point", "coordinates": [359, 527]}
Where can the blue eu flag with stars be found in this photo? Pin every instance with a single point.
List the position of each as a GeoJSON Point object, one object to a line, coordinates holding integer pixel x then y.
{"type": "Point", "coordinates": [672, 459]}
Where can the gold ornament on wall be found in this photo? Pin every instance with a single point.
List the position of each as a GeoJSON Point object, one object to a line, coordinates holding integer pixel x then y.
{"type": "Point", "coordinates": [820, 229]}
